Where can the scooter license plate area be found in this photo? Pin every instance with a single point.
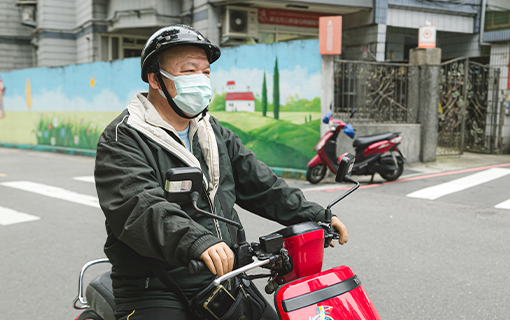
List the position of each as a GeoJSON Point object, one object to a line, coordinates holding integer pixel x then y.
{"type": "Point", "coordinates": [332, 294]}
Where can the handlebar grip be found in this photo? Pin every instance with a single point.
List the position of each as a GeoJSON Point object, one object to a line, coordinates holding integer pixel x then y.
{"type": "Point", "coordinates": [197, 266]}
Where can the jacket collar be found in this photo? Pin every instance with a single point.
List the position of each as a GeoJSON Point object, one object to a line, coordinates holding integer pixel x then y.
{"type": "Point", "coordinates": [144, 117]}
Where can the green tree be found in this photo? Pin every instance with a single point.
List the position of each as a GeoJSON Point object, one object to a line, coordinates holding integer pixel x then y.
{"type": "Point", "coordinates": [276, 90]}
{"type": "Point", "coordinates": [264, 96]}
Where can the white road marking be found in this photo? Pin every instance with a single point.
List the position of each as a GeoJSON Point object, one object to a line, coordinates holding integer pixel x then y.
{"type": "Point", "coordinates": [53, 192]}
{"type": "Point", "coordinates": [9, 216]}
{"type": "Point", "coordinates": [85, 179]}
{"type": "Point", "coordinates": [503, 205]}
{"type": "Point", "coordinates": [464, 183]}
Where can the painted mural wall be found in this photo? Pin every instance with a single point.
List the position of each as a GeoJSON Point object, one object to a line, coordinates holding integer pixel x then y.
{"type": "Point", "coordinates": [268, 94]}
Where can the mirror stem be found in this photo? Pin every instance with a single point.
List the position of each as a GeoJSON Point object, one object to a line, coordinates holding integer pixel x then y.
{"type": "Point", "coordinates": [348, 179]}
{"type": "Point", "coordinates": [194, 198]}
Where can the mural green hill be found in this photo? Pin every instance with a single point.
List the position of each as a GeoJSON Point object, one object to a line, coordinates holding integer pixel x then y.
{"type": "Point", "coordinates": [292, 104]}
{"type": "Point", "coordinates": [272, 153]}
{"type": "Point", "coordinates": [298, 137]}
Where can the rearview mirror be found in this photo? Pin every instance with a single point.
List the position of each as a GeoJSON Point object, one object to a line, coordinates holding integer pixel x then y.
{"type": "Point", "coordinates": [181, 182]}
{"type": "Point", "coordinates": [344, 169]}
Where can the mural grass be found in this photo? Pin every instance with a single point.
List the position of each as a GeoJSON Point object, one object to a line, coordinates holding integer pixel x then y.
{"type": "Point", "coordinates": [62, 131]}
{"type": "Point", "coordinates": [275, 142]}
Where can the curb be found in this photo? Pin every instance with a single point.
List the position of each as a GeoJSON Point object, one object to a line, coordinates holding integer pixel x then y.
{"type": "Point", "coordinates": [70, 151]}
{"type": "Point", "coordinates": [281, 172]}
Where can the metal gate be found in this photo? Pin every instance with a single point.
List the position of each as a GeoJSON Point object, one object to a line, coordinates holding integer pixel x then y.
{"type": "Point", "coordinates": [377, 92]}
{"type": "Point", "coordinates": [468, 107]}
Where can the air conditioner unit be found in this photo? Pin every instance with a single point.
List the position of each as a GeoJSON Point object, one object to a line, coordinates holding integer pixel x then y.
{"type": "Point", "coordinates": [28, 11]}
{"type": "Point", "coordinates": [240, 22]}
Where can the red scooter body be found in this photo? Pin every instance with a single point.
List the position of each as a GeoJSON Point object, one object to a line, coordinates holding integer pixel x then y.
{"type": "Point", "coordinates": [308, 293]}
{"type": "Point", "coordinates": [329, 295]}
{"type": "Point", "coordinates": [305, 244]}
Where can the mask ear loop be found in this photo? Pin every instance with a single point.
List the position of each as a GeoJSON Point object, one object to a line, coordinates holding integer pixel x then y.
{"type": "Point", "coordinates": [156, 69]}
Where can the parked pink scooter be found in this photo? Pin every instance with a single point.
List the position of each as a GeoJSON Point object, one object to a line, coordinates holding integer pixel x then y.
{"type": "Point", "coordinates": [374, 154]}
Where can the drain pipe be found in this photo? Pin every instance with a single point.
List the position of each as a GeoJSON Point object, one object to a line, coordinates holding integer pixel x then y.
{"type": "Point", "coordinates": [482, 24]}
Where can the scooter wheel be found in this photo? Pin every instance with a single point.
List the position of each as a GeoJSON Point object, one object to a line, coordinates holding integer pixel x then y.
{"type": "Point", "coordinates": [392, 176]}
{"type": "Point", "coordinates": [316, 174]}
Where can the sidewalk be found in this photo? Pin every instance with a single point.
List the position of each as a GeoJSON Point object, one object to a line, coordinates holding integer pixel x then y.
{"type": "Point", "coordinates": [464, 161]}
{"type": "Point", "coordinates": [443, 163]}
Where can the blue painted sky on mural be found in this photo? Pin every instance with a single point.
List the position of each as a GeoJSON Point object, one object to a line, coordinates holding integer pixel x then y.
{"type": "Point", "coordinates": [69, 88]}
{"type": "Point", "coordinates": [262, 56]}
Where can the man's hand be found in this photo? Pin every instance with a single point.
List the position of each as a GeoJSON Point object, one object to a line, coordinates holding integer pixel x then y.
{"type": "Point", "coordinates": [341, 229]}
{"type": "Point", "coordinates": [219, 258]}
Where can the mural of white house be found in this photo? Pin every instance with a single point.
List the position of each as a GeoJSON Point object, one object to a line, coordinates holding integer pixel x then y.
{"type": "Point", "coordinates": [238, 101]}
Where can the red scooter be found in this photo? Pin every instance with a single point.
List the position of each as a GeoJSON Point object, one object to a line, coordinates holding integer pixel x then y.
{"type": "Point", "coordinates": [374, 154]}
{"type": "Point", "coordinates": [293, 255]}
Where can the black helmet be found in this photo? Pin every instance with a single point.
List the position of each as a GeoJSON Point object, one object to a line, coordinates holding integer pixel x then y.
{"type": "Point", "coordinates": [171, 36]}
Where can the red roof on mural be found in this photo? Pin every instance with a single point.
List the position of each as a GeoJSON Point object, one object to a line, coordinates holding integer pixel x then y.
{"type": "Point", "coordinates": [240, 96]}
{"type": "Point", "coordinates": [230, 83]}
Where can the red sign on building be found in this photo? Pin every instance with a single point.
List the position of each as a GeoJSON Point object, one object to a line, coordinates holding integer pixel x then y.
{"type": "Point", "coordinates": [289, 18]}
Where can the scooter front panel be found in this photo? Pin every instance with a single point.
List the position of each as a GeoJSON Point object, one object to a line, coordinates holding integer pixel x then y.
{"type": "Point", "coordinates": [330, 295]}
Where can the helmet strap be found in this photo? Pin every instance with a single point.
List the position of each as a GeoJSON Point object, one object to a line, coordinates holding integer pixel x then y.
{"type": "Point", "coordinates": [156, 69]}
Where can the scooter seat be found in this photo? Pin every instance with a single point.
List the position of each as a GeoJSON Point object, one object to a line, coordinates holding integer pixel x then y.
{"type": "Point", "coordinates": [368, 140]}
{"type": "Point", "coordinates": [99, 295]}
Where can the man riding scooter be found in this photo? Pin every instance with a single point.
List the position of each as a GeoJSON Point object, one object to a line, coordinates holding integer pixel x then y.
{"type": "Point", "coordinates": [170, 128]}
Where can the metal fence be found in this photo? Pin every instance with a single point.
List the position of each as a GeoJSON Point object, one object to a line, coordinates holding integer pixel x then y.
{"type": "Point", "coordinates": [373, 92]}
{"type": "Point", "coordinates": [468, 107]}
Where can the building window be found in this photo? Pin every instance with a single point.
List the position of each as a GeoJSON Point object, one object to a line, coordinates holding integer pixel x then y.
{"type": "Point", "coordinates": [120, 47]}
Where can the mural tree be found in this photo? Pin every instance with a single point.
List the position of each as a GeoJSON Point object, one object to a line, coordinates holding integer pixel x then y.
{"type": "Point", "coordinates": [264, 96]}
{"type": "Point", "coordinates": [276, 90]}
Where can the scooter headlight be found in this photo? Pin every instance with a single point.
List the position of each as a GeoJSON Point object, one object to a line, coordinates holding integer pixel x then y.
{"type": "Point", "coordinates": [319, 146]}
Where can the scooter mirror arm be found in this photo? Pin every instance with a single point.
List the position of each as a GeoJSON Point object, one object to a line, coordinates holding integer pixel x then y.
{"type": "Point", "coordinates": [240, 231]}
{"type": "Point", "coordinates": [241, 248]}
{"type": "Point", "coordinates": [348, 192]}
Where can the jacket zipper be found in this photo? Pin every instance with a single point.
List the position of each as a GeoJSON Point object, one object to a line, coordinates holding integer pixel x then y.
{"type": "Point", "coordinates": [216, 223]}
{"type": "Point", "coordinates": [191, 139]}
{"type": "Point", "coordinates": [211, 169]}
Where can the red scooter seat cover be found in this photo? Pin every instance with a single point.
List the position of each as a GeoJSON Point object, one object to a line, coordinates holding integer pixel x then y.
{"type": "Point", "coordinates": [334, 294]}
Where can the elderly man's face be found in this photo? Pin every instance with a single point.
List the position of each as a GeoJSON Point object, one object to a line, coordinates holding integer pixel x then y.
{"type": "Point", "coordinates": [183, 60]}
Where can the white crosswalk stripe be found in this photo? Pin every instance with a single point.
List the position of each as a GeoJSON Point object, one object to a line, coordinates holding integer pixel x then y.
{"type": "Point", "coordinates": [9, 216]}
{"type": "Point", "coordinates": [85, 179]}
{"type": "Point", "coordinates": [503, 205]}
{"type": "Point", "coordinates": [53, 192]}
{"type": "Point", "coordinates": [457, 185]}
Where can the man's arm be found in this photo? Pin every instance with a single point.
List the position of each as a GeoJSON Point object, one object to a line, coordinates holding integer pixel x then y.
{"type": "Point", "coordinates": [137, 211]}
{"type": "Point", "coordinates": [260, 191]}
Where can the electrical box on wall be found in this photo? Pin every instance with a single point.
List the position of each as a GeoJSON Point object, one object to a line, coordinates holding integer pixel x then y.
{"type": "Point", "coordinates": [240, 22]}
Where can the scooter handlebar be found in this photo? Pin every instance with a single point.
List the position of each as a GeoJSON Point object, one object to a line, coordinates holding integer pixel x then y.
{"type": "Point", "coordinates": [197, 266]}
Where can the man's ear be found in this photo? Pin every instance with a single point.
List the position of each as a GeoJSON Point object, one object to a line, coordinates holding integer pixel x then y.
{"type": "Point", "coordinates": [153, 81]}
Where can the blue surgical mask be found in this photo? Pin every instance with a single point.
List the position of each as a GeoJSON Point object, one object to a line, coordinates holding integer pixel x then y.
{"type": "Point", "coordinates": [193, 92]}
